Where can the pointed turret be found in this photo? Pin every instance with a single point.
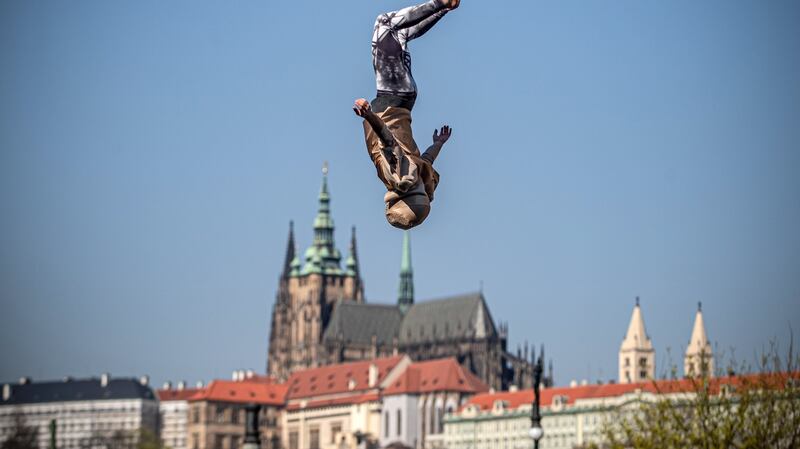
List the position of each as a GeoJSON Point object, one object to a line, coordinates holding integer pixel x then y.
{"type": "Point", "coordinates": [323, 257]}
{"type": "Point", "coordinates": [636, 354]}
{"type": "Point", "coordinates": [405, 293]}
{"type": "Point", "coordinates": [699, 359]}
{"type": "Point", "coordinates": [290, 252]}
{"type": "Point", "coordinates": [352, 258]}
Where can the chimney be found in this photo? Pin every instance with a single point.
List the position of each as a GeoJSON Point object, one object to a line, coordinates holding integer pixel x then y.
{"type": "Point", "coordinates": [24, 380]}
{"type": "Point", "coordinates": [573, 383]}
{"type": "Point", "coordinates": [199, 384]}
{"type": "Point", "coordinates": [584, 382]}
{"type": "Point", "coordinates": [67, 379]}
{"type": "Point", "coordinates": [373, 375]}
{"type": "Point", "coordinates": [513, 389]}
{"type": "Point", "coordinates": [181, 385]}
{"type": "Point", "coordinates": [144, 380]}
{"type": "Point", "coordinates": [104, 378]}
{"type": "Point", "coordinates": [249, 374]}
{"type": "Point", "coordinates": [235, 376]}
{"type": "Point", "coordinates": [167, 386]}
{"type": "Point", "coordinates": [6, 392]}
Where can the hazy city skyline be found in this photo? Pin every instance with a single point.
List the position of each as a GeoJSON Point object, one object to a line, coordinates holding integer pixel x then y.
{"type": "Point", "coordinates": [152, 156]}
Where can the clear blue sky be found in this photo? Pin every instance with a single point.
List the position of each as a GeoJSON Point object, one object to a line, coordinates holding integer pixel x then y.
{"type": "Point", "coordinates": [152, 154]}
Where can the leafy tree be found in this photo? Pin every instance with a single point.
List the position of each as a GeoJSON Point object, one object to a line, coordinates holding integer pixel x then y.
{"type": "Point", "coordinates": [758, 409]}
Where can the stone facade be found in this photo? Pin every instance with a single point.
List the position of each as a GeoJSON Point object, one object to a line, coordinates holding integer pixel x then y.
{"type": "Point", "coordinates": [217, 414]}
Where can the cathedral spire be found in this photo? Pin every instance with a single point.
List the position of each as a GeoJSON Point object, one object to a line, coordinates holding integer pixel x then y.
{"type": "Point", "coordinates": [636, 354]}
{"type": "Point", "coordinates": [699, 359]}
{"type": "Point", "coordinates": [290, 252]}
{"type": "Point", "coordinates": [323, 257]}
{"type": "Point", "coordinates": [352, 258]}
{"type": "Point", "coordinates": [405, 293]}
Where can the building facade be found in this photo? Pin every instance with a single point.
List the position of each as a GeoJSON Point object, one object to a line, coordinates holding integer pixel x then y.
{"type": "Point", "coordinates": [320, 317]}
{"type": "Point", "coordinates": [338, 406]}
{"type": "Point", "coordinates": [81, 414]}
{"type": "Point", "coordinates": [217, 413]}
{"type": "Point", "coordinates": [415, 404]}
{"type": "Point", "coordinates": [173, 408]}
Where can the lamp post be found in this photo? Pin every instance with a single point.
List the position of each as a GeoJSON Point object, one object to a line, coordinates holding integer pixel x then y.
{"type": "Point", "coordinates": [536, 432]}
{"type": "Point", "coordinates": [252, 437]}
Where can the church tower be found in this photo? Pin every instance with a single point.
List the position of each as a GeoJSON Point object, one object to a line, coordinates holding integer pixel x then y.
{"type": "Point", "coordinates": [637, 358]}
{"type": "Point", "coordinates": [699, 360]}
{"type": "Point", "coordinates": [308, 292]}
{"type": "Point", "coordinates": [405, 291]}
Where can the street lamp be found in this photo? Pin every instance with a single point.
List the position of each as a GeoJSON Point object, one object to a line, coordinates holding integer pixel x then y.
{"type": "Point", "coordinates": [536, 432]}
{"type": "Point", "coordinates": [252, 437]}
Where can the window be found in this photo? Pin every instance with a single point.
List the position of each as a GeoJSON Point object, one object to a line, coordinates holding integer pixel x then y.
{"type": "Point", "coordinates": [643, 361]}
{"type": "Point", "coordinates": [313, 438]}
{"type": "Point", "coordinates": [643, 374]}
{"type": "Point", "coordinates": [335, 428]}
{"type": "Point", "coordinates": [399, 422]}
{"type": "Point", "coordinates": [294, 440]}
{"type": "Point", "coordinates": [218, 441]}
{"type": "Point", "coordinates": [220, 414]}
{"type": "Point", "coordinates": [235, 416]}
{"type": "Point", "coordinates": [195, 415]}
{"type": "Point", "coordinates": [627, 361]}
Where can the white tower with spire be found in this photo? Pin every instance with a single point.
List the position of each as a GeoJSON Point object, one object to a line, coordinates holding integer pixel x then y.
{"type": "Point", "coordinates": [637, 358]}
{"type": "Point", "coordinates": [699, 359]}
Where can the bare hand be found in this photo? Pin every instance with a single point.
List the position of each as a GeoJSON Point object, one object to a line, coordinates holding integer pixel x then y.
{"type": "Point", "coordinates": [451, 4]}
{"type": "Point", "coordinates": [441, 136]}
{"type": "Point", "coordinates": [361, 107]}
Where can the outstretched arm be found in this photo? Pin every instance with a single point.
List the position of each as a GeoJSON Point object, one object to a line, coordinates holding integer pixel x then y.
{"type": "Point", "coordinates": [416, 15]}
{"type": "Point", "coordinates": [439, 139]}
{"type": "Point", "coordinates": [363, 110]}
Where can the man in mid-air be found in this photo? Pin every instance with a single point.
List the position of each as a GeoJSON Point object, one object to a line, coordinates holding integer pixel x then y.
{"type": "Point", "coordinates": [409, 176]}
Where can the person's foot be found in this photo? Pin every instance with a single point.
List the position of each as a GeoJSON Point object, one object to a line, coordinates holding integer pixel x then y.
{"type": "Point", "coordinates": [451, 4]}
{"type": "Point", "coordinates": [361, 107]}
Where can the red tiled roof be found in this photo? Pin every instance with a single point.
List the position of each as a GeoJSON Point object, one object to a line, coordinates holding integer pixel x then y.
{"type": "Point", "coordinates": [177, 394]}
{"type": "Point", "coordinates": [436, 375]}
{"type": "Point", "coordinates": [358, 399]}
{"type": "Point", "coordinates": [243, 392]}
{"type": "Point", "coordinates": [332, 379]}
{"type": "Point", "coordinates": [517, 398]}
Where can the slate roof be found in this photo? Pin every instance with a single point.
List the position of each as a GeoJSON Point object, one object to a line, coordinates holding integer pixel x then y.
{"type": "Point", "coordinates": [78, 390]}
{"type": "Point", "coordinates": [357, 323]}
{"type": "Point", "coordinates": [465, 316]}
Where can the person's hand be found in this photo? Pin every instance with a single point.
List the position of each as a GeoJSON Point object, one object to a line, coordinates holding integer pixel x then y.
{"type": "Point", "coordinates": [441, 136]}
{"type": "Point", "coordinates": [451, 4]}
{"type": "Point", "coordinates": [361, 107]}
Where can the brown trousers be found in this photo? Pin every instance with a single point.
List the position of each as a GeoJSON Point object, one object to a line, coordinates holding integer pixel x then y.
{"type": "Point", "coordinates": [409, 166]}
